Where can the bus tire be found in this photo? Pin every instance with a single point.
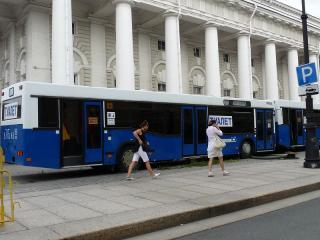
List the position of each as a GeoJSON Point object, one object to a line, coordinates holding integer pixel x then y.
{"type": "Point", "coordinates": [246, 149]}
{"type": "Point", "coordinates": [125, 157]}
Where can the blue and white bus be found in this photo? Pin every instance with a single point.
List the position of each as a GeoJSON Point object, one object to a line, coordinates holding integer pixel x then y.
{"type": "Point", "coordinates": [58, 126]}
{"type": "Point", "coordinates": [290, 120]}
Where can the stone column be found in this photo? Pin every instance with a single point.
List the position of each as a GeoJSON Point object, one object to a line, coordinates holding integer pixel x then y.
{"type": "Point", "coordinates": [124, 45]}
{"type": "Point", "coordinates": [285, 78]}
{"type": "Point", "coordinates": [212, 61]}
{"type": "Point", "coordinates": [244, 65]}
{"type": "Point", "coordinates": [38, 47]}
{"type": "Point", "coordinates": [187, 87]}
{"type": "Point", "coordinates": [145, 61]}
{"type": "Point", "coordinates": [173, 54]}
{"type": "Point", "coordinates": [98, 54]}
{"type": "Point", "coordinates": [62, 42]}
{"type": "Point", "coordinates": [293, 62]}
{"type": "Point", "coordinates": [314, 58]}
{"type": "Point", "coordinates": [12, 54]}
{"type": "Point", "coordinates": [271, 71]}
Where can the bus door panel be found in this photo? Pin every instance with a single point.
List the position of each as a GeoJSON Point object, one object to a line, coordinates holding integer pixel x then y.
{"type": "Point", "coordinates": [201, 126]}
{"type": "Point", "coordinates": [194, 124]}
{"type": "Point", "coordinates": [259, 130]}
{"type": "Point", "coordinates": [269, 138]}
{"type": "Point", "coordinates": [299, 122]}
{"type": "Point", "coordinates": [264, 130]}
{"type": "Point", "coordinates": [187, 131]}
{"type": "Point", "coordinates": [93, 132]}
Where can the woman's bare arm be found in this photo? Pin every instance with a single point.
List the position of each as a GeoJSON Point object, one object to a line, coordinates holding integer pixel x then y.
{"type": "Point", "coordinates": [136, 134]}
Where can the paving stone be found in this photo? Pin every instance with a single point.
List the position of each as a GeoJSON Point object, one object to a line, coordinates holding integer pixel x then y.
{"type": "Point", "coordinates": [135, 202]}
{"type": "Point", "coordinates": [185, 194]}
{"type": "Point", "coordinates": [46, 201]}
{"type": "Point", "coordinates": [37, 218]}
{"type": "Point", "coordinates": [76, 197]}
{"type": "Point", "coordinates": [159, 197]}
{"type": "Point", "coordinates": [106, 207]}
{"type": "Point", "coordinates": [73, 212]}
{"type": "Point", "coordinates": [32, 234]}
{"type": "Point", "coordinates": [11, 227]}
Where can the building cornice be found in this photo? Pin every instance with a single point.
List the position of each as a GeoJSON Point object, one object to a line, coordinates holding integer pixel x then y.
{"type": "Point", "coordinates": [268, 11]}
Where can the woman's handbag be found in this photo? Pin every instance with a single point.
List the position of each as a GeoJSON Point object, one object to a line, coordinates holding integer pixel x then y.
{"type": "Point", "coordinates": [218, 143]}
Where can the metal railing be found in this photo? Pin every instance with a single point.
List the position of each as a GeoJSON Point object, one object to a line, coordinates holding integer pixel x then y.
{"type": "Point", "coordinates": [5, 180]}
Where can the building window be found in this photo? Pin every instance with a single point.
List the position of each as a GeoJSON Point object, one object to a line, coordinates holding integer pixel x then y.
{"type": "Point", "coordinates": [161, 87]}
{"type": "Point", "coordinates": [197, 90]}
{"type": "Point", "coordinates": [6, 49]}
{"type": "Point", "coordinates": [161, 45]}
{"type": "Point", "coordinates": [255, 94]}
{"type": "Point", "coordinates": [226, 58]}
{"type": "Point", "coordinates": [227, 92]}
{"type": "Point", "coordinates": [73, 28]}
{"type": "Point", "coordinates": [252, 62]}
{"type": "Point", "coordinates": [197, 52]}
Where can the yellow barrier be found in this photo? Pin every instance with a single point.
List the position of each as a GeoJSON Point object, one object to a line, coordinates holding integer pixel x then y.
{"type": "Point", "coordinates": [3, 174]}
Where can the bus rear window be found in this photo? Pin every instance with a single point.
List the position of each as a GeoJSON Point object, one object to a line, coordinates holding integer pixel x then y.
{"type": "Point", "coordinates": [48, 113]}
{"type": "Point", "coordinates": [11, 109]}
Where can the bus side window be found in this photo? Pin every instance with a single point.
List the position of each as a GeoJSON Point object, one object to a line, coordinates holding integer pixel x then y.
{"type": "Point", "coordinates": [285, 116]}
{"type": "Point", "coordinates": [48, 113]}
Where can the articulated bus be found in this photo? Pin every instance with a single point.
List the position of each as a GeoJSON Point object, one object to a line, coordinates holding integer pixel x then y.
{"type": "Point", "coordinates": [58, 126]}
{"type": "Point", "coordinates": [290, 120]}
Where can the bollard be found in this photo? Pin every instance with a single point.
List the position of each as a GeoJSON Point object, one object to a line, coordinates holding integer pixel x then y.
{"type": "Point", "coordinates": [3, 174]}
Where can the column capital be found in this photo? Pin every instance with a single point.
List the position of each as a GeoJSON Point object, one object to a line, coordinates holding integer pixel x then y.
{"type": "Point", "coordinates": [243, 34]}
{"type": "Point", "coordinates": [116, 2]}
{"type": "Point", "coordinates": [270, 41]}
{"type": "Point", "coordinates": [99, 21]}
{"type": "Point", "coordinates": [171, 13]}
{"type": "Point", "coordinates": [313, 52]}
{"type": "Point", "coordinates": [292, 47]}
{"type": "Point", "coordinates": [210, 25]}
{"type": "Point", "coordinates": [142, 30]}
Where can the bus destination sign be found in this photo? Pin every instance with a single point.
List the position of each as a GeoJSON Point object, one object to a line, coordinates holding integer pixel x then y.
{"type": "Point", "coordinates": [10, 111]}
{"type": "Point", "coordinates": [236, 103]}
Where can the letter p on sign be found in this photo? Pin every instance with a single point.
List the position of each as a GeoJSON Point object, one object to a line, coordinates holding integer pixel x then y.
{"type": "Point", "coordinates": [307, 74]}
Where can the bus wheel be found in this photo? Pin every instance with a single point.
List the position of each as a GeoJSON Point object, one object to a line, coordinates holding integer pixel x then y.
{"type": "Point", "coordinates": [246, 149]}
{"type": "Point", "coordinates": [125, 158]}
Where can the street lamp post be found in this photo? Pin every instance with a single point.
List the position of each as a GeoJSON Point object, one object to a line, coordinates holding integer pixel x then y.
{"type": "Point", "coordinates": [312, 158]}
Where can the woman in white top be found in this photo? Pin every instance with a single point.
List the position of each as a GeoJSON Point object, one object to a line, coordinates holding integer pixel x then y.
{"type": "Point", "coordinates": [213, 131]}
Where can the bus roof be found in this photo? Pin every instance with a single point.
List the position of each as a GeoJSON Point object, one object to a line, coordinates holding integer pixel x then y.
{"type": "Point", "coordinates": [84, 92]}
{"type": "Point", "coordinates": [293, 104]}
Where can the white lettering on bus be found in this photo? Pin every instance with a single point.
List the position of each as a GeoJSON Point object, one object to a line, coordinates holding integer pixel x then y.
{"type": "Point", "coordinates": [10, 134]}
{"type": "Point", "coordinates": [222, 121]}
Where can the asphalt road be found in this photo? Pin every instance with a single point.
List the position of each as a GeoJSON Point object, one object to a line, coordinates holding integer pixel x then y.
{"type": "Point", "coordinates": [301, 221]}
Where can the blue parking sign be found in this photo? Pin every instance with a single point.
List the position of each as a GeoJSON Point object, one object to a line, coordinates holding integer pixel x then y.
{"type": "Point", "coordinates": [307, 74]}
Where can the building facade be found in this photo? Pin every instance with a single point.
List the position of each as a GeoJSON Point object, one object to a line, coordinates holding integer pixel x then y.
{"type": "Point", "coordinates": [237, 48]}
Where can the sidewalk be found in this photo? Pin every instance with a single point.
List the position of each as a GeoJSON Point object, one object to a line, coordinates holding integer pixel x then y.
{"type": "Point", "coordinates": [121, 209]}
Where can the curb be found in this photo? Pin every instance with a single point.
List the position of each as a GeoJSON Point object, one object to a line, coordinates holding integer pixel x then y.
{"type": "Point", "coordinates": [156, 224]}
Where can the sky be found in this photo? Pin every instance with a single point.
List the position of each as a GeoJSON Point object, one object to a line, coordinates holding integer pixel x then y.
{"type": "Point", "coordinates": [312, 6]}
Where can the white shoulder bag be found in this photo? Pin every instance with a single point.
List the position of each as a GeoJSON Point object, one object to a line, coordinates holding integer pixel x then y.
{"type": "Point", "coordinates": [218, 143]}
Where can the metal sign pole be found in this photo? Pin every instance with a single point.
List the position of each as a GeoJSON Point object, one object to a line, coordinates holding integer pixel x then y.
{"type": "Point", "coordinates": [312, 158]}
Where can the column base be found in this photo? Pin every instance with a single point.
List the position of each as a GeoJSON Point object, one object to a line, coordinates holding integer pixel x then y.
{"type": "Point", "coordinates": [311, 164]}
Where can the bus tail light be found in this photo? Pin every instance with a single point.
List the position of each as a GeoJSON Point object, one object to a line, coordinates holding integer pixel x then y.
{"type": "Point", "coordinates": [109, 155]}
{"type": "Point", "coordinates": [28, 159]}
{"type": "Point", "coordinates": [20, 153]}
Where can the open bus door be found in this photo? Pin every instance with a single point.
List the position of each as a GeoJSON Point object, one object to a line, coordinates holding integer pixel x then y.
{"type": "Point", "coordinates": [194, 124]}
{"type": "Point", "coordinates": [93, 132]}
{"type": "Point", "coordinates": [264, 130]}
{"type": "Point", "coordinates": [296, 127]}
